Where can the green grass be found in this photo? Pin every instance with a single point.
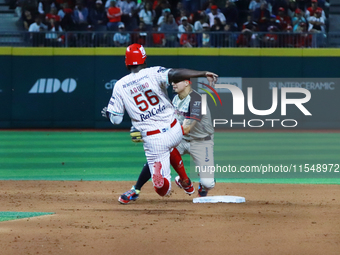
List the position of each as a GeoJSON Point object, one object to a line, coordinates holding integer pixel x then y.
{"type": "Point", "coordinates": [5, 216]}
{"type": "Point", "coordinates": [82, 155]}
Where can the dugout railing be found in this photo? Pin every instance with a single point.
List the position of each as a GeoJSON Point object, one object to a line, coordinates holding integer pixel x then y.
{"type": "Point", "coordinates": [170, 39]}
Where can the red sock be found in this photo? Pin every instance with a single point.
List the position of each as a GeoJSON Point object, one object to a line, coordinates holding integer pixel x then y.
{"type": "Point", "coordinates": [177, 163]}
{"type": "Point", "coordinates": [162, 191]}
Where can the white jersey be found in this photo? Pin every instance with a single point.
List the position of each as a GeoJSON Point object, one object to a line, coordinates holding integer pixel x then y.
{"type": "Point", "coordinates": [145, 98]}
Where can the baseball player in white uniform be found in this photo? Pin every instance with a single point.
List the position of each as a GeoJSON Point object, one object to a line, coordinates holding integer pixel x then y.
{"type": "Point", "coordinates": [197, 141]}
{"type": "Point", "coordinates": [143, 94]}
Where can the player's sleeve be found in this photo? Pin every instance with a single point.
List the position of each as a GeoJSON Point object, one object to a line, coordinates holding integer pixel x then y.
{"type": "Point", "coordinates": [195, 111]}
{"type": "Point", "coordinates": [161, 75]}
{"type": "Point", "coordinates": [116, 107]}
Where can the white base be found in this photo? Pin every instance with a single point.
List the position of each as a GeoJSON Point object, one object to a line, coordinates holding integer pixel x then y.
{"type": "Point", "coordinates": [219, 199]}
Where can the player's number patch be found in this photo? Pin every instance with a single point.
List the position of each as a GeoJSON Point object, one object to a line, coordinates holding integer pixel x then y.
{"type": "Point", "coordinates": [151, 98]}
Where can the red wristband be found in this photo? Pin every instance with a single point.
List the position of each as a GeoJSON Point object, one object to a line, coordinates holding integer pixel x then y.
{"type": "Point", "coordinates": [182, 129]}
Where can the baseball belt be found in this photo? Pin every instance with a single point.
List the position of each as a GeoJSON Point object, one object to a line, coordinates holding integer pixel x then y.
{"type": "Point", "coordinates": [207, 138]}
{"type": "Point", "coordinates": [157, 131]}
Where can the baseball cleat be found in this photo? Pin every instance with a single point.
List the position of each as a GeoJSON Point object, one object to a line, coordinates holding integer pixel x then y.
{"type": "Point", "coordinates": [202, 191]}
{"type": "Point", "coordinates": [157, 177]}
{"type": "Point", "coordinates": [131, 195]}
{"type": "Point", "coordinates": [185, 185]}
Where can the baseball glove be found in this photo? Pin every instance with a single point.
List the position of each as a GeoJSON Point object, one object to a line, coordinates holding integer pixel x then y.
{"type": "Point", "coordinates": [136, 135]}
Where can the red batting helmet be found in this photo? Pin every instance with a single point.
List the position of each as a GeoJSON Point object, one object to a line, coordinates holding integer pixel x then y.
{"type": "Point", "coordinates": [135, 55]}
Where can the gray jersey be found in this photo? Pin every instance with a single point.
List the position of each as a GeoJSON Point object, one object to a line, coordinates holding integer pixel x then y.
{"type": "Point", "coordinates": [190, 108]}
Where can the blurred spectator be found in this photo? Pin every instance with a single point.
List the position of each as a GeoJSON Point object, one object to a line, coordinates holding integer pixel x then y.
{"type": "Point", "coordinates": [184, 27]}
{"type": "Point", "coordinates": [234, 12]}
{"type": "Point", "coordinates": [190, 5]}
{"type": "Point", "coordinates": [311, 10]}
{"type": "Point", "coordinates": [158, 39]}
{"type": "Point", "coordinates": [249, 23]}
{"type": "Point", "coordinates": [288, 38]}
{"type": "Point", "coordinates": [141, 5]}
{"type": "Point", "coordinates": [114, 15]}
{"type": "Point", "coordinates": [159, 6]}
{"type": "Point", "coordinates": [273, 21]}
{"type": "Point", "coordinates": [170, 29]}
{"type": "Point", "coordinates": [177, 11]}
{"type": "Point", "coordinates": [216, 39]}
{"type": "Point", "coordinates": [244, 39]}
{"type": "Point", "coordinates": [121, 38]}
{"type": "Point", "coordinates": [183, 14]}
{"type": "Point", "coordinates": [283, 19]}
{"type": "Point", "coordinates": [140, 35]}
{"type": "Point", "coordinates": [271, 39]}
{"type": "Point", "coordinates": [108, 4]}
{"type": "Point", "coordinates": [80, 15]}
{"type": "Point", "coordinates": [198, 25]}
{"type": "Point", "coordinates": [278, 4]}
{"type": "Point", "coordinates": [97, 17]}
{"type": "Point", "coordinates": [323, 4]}
{"type": "Point", "coordinates": [248, 38]}
{"type": "Point", "coordinates": [316, 22]}
{"type": "Point", "coordinates": [54, 38]}
{"type": "Point", "coordinates": [188, 39]}
{"type": "Point", "coordinates": [302, 4]}
{"type": "Point", "coordinates": [207, 4]}
{"type": "Point", "coordinates": [270, 4]}
{"type": "Point", "coordinates": [229, 38]}
{"type": "Point", "coordinates": [317, 27]}
{"type": "Point", "coordinates": [213, 14]}
{"type": "Point", "coordinates": [129, 10]}
{"type": "Point", "coordinates": [201, 18]}
{"type": "Point", "coordinates": [297, 19]}
{"type": "Point", "coordinates": [301, 27]}
{"type": "Point", "coordinates": [98, 22]}
{"type": "Point", "coordinates": [146, 15]}
{"type": "Point", "coordinates": [302, 39]}
{"type": "Point", "coordinates": [165, 14]}
{"type": "Point", "coordinates": [18, 8]}
{"type": "Point", "coordinates": [206, 35]}
{"type": "Point", "coordinates": [211, 4]}
{"type": "Point", "coordinates": [292, 8]}
{"type": "Point", "coordinates": [37, 38]}
{"type": "Point", "coordinates": [67, 21]}
{"type": "Point", "coordinates": [53, 14]}
{"type": "Point", "coordinates": [64, 9]}
{"type": "Point", "coordinates": [254, 4]}
{"type": "Point", "coordinates": [28, 19]}
{"type": "Point", "coordinates": [217, 25]}
{"type": "Point", "coordinates": [230, 12]}
{"type": "Point", "coordinates": [37, 26]}
{"type": "Point", "coordinates": [262, 16]}
{"type": "Point", "coordinates": [44, 6]}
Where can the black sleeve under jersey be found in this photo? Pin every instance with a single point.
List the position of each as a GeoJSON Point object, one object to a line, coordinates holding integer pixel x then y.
{"type": "Point", "coordinates": [194, 111]}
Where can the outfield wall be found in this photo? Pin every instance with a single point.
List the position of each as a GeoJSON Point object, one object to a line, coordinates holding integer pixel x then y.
{"type": "Point", "coordinates": [68, 87]}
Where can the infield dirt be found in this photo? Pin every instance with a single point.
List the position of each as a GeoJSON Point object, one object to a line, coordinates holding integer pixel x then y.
{"type": "Point", "coordinates": [276, 219]}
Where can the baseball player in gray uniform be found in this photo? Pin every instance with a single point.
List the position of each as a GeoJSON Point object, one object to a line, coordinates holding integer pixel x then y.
{"type": "Point", "coordinates": [197, 140]}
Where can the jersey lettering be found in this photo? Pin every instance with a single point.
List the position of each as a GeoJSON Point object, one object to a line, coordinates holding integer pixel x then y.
{"type": "Point", "coordinates": [150, 96]}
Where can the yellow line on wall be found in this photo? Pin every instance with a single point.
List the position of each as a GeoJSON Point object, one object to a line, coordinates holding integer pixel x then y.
{"type": "Point", "coordinates": [5, 51]}
{"type": "Point", "coordinates": [325, 52]}
{"type": "Point", "coordinates": [30, 51]}
{"type": "Point", "coordinates": [246, 52]}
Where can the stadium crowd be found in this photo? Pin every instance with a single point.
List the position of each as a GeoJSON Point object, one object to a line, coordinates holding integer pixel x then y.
{"type": "Point", "coordinates": [181, 23]}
